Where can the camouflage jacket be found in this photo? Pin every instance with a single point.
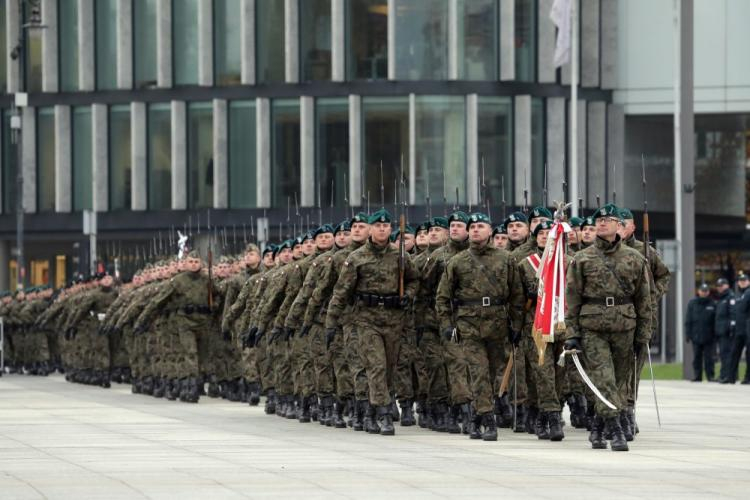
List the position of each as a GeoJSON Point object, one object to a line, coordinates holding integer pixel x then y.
{"type": "Point", "coordinates": [273, 297]}
{"type": "Point", "coordinates": [294, 284]}
{"type": "Point", "coordinates": [659, 271]}
{"type": "Point", "coordinates": [299, 307]}
{"type": "Point", "coordinates": [239, 287]}
{"type": "Point", "coordinates": [184, 297]}
{"type": "Point", "coordinates": [433, 270]}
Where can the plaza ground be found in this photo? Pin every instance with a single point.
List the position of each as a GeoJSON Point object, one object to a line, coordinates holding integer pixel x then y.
{"type": "Point", "coordinates": [60, 440]}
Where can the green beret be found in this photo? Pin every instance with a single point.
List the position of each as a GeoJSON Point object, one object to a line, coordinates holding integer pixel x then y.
{"type": "Point", "coordinates": [540, 212]}
{"type": "Point", "coordinates": [625, 213]}
{"type": "Point", "coordinates": [478, 217]}
{"type": "Point", "coordinates": [285, 244]}
{"type": "Point", "coordinates": [576, 221]}
{"type": "Point", "coordinates": [407, 229]}
{"type": "Point", "coordinates": [360, 217]}
{"type": "Point", "coordinates": [499, 230]}
{"type": "Point", "coordinates": [425, 226]}
{"type": "Point", "coordinates": [545, 224]}
{"type": "Point", "coordinates": [298, 240]}
{"type": "Point", "coordinates": [394, 233]}
{"type": "Point", "coordinates": [588, 221]}
{"type": "Point", "coordinates": [458, 216]}
{"type": "Point", "coordinates": [325, 228]}
{"type": "Point", "coordinates": [608, 210]}
{"type": "Point", "coordinates": [439, 222]}
{"type": "Point", "coordinates": [270, 248]}
{"type": "Point", "coordinates": [515, 217]}
{"type": "Point", "coordinates": [381, 215]}
{"type": "Point", "coordinates": [344, 225]}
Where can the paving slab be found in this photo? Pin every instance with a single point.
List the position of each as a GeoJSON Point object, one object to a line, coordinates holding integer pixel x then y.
{"type": "Point", "coordinates": [60, 440]}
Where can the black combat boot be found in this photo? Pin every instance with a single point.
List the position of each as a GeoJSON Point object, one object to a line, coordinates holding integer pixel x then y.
{"type": "Point", "coordinates": [521, 417]}
{"type": "Point", "coordinates": [370, 421]}
{"type": "Point", "coordinates": [394, 410]}
{"type": "Point", "coordinates": [359, 415]}
{"type": "Point", "coordinates": [126, 375]}
{"type": "Point", "coordinates": [541, 426]}
{"type": "Point", "coordinates": [475, 424]}
{"type": "Point", "coordinates": [323, 412]}
{"type": "Point", "coordinates": [291, 412]}
{"type": "Point", "coordinates": [503, 412]}
{"type": "Point", "coordinates": [619, 443]}
{"type": "Point", "coordinates": [253, 393]}
{"type": "Point", "coordinates": [159, 387]}
{"type": "Point", "coordinates": [242, 390]}
{"type": "Point", "coordinates": [421, 413]}
{"type": "Point", "coordinates": [555, 426]}
{"type": "Point", "coordinates": [351, 410]}
{"type": "Point", "coordinates": [452, 420]}
{"type": "Point", "coordinates": [303, 410]}
{"type": "Point", "coordinates": [596, 438]}
{"type": "Point", "coordinates": [385, 419]}
{"type": "Point", "coordinates": [582, 418]}
{"type": "Point", "coordinates": [270, 407]}
{"type": "Point", "coordinates": [214, 389]}
{"type": "Point", "coordinates": [531, 417]}
{"type": "Point", "coordinates": [407, 413]}
{"type": "Point", "coordinates": [625, 425]}
{"type": "Point", "coordinates": [104, 379]}
{"type": "Point", "coordinates": [194, 391]}
{"type": "Point", "coordinates": [147, 387]}
{"type": "Point", "coordinates": [439, 417]}
{"type": "Point", "coordinates": [490, 427]}
{"type": "Point", "coordinates": [116, 376]}
{"type": "Point", "coordinates": [135, 386]}
{"type": "Point", "coordinates": [466, 417]}
{"type": "Point", "coordinates": [173, 389]}
{"type": "Point", "coordinates": [337, 417]}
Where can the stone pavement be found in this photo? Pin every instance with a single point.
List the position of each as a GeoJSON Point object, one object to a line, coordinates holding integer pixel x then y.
{"type": "Point", "coordinates": [61, 440]}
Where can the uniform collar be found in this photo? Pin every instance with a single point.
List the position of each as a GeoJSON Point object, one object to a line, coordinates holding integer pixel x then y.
{"type": "Point", "coordinates": [476, 249]}
{"type": "Point", "coordinates": [607, 247]}
{"type": "Point", "coordinates": [458, 245]}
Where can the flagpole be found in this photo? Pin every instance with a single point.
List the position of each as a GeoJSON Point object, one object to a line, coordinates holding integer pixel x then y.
{"type": "Point", "coordinates": [574, 107]}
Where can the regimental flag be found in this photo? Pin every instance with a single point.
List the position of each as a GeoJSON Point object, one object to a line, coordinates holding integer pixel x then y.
{"type": "Point", "coordinates": [549, 317]}
{"type": "Point", "coordinates": [560, 15]}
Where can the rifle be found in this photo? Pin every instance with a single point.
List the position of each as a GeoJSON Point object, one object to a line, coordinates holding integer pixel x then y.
{"type": "Point", "coordinates": [645, 210]}
{"type": "Point", "coordinates": [544, 187]}
{"type": "Point", "coordinates": [210, 264]}
{"type": "Point", "coordinates": [382, 187]}
{"type": "Point", "coordinates": [614, 183]}
{"type": "Point", "coordinates": [525, 193]}
{"type": "Point", "coordinates": [401, 244]}
{"type": "Point", "coordinates": [502, 190]}
{"type": "Point", "coordinates": [484, 192]}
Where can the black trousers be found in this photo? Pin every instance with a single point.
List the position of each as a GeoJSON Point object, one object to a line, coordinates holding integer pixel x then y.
{"type": "Point", "coordinates": [725, 355]}
{"type": "Point", "coordinates": [703, 357]}
{"type": "Point", "coordinates": [739, 344]}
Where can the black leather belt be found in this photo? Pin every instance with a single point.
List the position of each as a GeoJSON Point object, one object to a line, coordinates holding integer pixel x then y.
{"type": "Point", "coordinates": [482, 301]}
{"type": "Point", "coordinates": [372, 300]}
{"type": "Point", "coordinates": [608, 301]}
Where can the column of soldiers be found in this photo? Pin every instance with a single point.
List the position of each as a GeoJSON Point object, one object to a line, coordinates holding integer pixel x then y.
{"type": "Point", "coordinates": [339, 327]}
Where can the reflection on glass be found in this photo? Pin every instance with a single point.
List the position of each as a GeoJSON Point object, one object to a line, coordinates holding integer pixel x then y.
{"type": "Point", "coordinates": [82, 175]}
{"type": "Point", "coordinates": [10, 162]}
{"type": "Point", "coordinates": [200, 155]}
{"type": "Point", "coordinates": [227, 42]}
{"type": "Point", "coordinates": [332, 148]}
{"type": "Point", "coordinates": [45, 159]}
{"type": "Point", "coordinates": [421, 39]}
{"type": "Point", "coordinates": [367, 39]}
{"type": "Point", "coordinates": [144, 42]}
{"type": "Point", "coordinates": [477, 39]}
{"type": "Point", "coordinates": [67, 16]}
{"type": "Point", "coordinates": [315, 39]}
{"type": "Point", "coordinates": [119, 157]}
{"type": "Point", "coordinates": [285, 144]}
{"type": "Point", "coordinates": [185, 41]}
{"type": "Point", "coordinates": [106, 43]}
{"type": "Point", "coordinates": [495, 141]}
{"type": "Point", "coordinates": [159, 157]}
{"type": "Point", "coordinates": [386, 141]}
{"type": "Point", "coordinates": [525, 40]}
{"type": "Point", "coordinates": [537, 150]}
{"type": "Point", "coordinates": [242, 154]}
{"type": "Point", "coordinates": [440, 145]}
{"type": "Point", "coordinates": [269, 37]}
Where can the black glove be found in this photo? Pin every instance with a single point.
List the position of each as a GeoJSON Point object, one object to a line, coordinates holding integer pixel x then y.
{"type": "Point", "coordinates": [330, 334]}
{"type": "Point", "coordinates": [514, 336]}
{"type": "Point", "coordinates": [289, 333]}
{"type": "Point", "coordinates": [139, 329]}
{"type": "Point", "coordinates": [101, 331]}
{"type": "Point", "coordinates": [448, 333]}
{"type": "Point", "coordinates": [305, 330]}
{"type": "Point", "coordinates": [420, 334]}
{"type": "Point", "coordinates": [404, 301]}
{"type": "Point", "coordinates": [227, 335]}
{"type": "Point", "coordinates": [248, 339]}
{"type": "Point", "coordinates": [275, 334]}
{"type": "Point", "coordinates": [638, 347]}
{"type": "Point", "coordinates": [258, 334]}
{"type": "Point", "coordinates": [573, 345]}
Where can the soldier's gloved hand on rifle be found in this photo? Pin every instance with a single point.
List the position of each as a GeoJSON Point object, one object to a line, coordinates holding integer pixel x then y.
{"type": "Point", "coordinates": [70, 333]}
{"type": "Point", "coordinates": [404, 301]}
{"type": "Point", "coordinates": [275, 334]}
{"type": "Point", "coordinates": [330, 334]}
{"type": "Point", "coordinates": [289, 333]}
{"type": "Point", "coordinates": [573, 345]}
{"type": "Point", "coordinates": [304, 331]}
{"type": "Point", "coordinates": [139, 329]}
{"type": "Point", "coordinates": [514, 336]}
{"type": "Point", "coordinates": [227, 335]}
{"type": "Point", "coordinates": [638, 347]}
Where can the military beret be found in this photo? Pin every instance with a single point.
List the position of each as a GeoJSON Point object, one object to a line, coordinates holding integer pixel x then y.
{"type": "Point", "coordinates": [545, 224]}
{"type": "Point", "coordinates": [515, 217]}
{"type": "Point", "coordinates": [344, 225]}
{"type": "Point", "coordinates": [298, 240]}
{"type": "Point", "coordinates": [458, 216]}
{"type": "Point", "coordinates": [588, 221]}
{"type": "Point", "coordinates": [325, 228]}
{"type": "Point", "coordinates": [361, 217]}
{"type": "Point", "coordinates": [381, 215]}
{"type": "Point", "coordinates": [270, 248]}
{"type": "Point", "coordinates": [394, 233]}
{"type": "Point", "coordinates": [479, 217]}
{"type": "Point", "coordinates": [626, 214]}
{"type": "Point", "coordinates": [439, 222]}
{"type": "Point", "coordinates": [310, 235]}
{"type": "Point", "coordinates": [576, 221]}
{"type": "Point", "coordinates": [499, 230]}
{"type": "Point", "coordinates": [251, 247]}
{"type": "Point", "coordinates": [425, 226]}
{"type": "Point", "coordinates": [608, 210]}
{"type": "Point", "coordinates": [540, 212]}
{"type": "Point", "coordinates": [285, 244]}
{"type": "Point", "coordinates": [407, 229]}
{"type": "Point", "coordinates": [193, 254]}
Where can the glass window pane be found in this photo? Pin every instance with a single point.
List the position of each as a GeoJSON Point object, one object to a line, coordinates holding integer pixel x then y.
{"type": "Point", "coordinates": [144, 42]}
{"type": "Point", "coordinates": [285, 140]}
{"type": "Point", "coordinates": [82, 180]}
{"type": "Point", "coordinates": [315, 39]}
{"type": "Point", "coordinates": [119, 157]}
{"type": "Point", "coordinates": [185, 41]}
{"type": "Point", "coordinates": [67, 15]}
{"type": "Point", "coordinates": [45, 159]}
{"type": "Point", "coordinates": [227, 42]}
{"type": "Point", "coordinates": [441, 136]}
{"type": "Point", "coordinates": [106, 44]}
{"type": "Point", "coordinates": [386, 139]}
{"type": "Point", "coordinates": [3, 49]}
{"type": "Point", "coordinates": [367, 37]}
{"type": "Point", "coordinates": [495, 141]}
{"type": "Point", "coordinates": [159, 157]}
{"type": "Point", "coordinates": [269, 40]}
{"type": "Point", "coordinates": [200, 155]}
{"type": "Point", "coordinates": [421, 39]}
{"type": "Point", "coordinates": [525, 26]}
{"type": "Point", "coordinates": [10, 161]}
{"type": "Point", "coordinates": [477, 39]}
{"type": "Point", "coordinates": [332, 147]}
{"type": "Point", "coordinates": [242, 154]}
{"type": "Point", "coordinates": [537, 150]}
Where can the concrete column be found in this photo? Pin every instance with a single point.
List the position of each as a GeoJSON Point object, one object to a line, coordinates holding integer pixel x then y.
{"type": "Point", "coordinates": [616, 148]}
{"type": "Point", "coordinates": [86, 74]}
{"type": "Point", "coordinates": [263, 152]}
{"type": "Point", "coordinates": [164, 43]}
{"type": "Point", "coordinates": [100, 158]}
{"type": "Point", "coordinates": [472, 148]}
{"type": "Point", "coordinates": [247, 35]}
{"type": "Point", "coordinates": [125, 44]}
{"type": "Point", "coordinates": [50, 71]}
{"type": "Point", "coordinates": [508, 40]}
{"type": "Point", "coordinates": [5, 265]}
{"type": "Point", "coordinates": [596, 172]}
{"type": "Point", "coordinates": [139, 155]}
{"type": "Point", "coordinates": [63, 160]}
{"type": "Point", "coordinates": [179, 155]}
{"type": "Point", "coordinates": [355, 150]}
{"type": "Point", "coordinates": [522, 144]}
{"type": "Point", "coordinates": [545, 44]}
{"type": "Point", "coordinates": [11, 38]}
{"type": "Point", "coordinates": [556, 148]}
{"type": "Point", "coordinates": [338, 40]}
{"type": "Point", "coordinates": [453, 19]}
{"type": "Point", "coordinates": [391, 42]}
{"type": "Point", "coordinates": [291, 40]}
{"type": "Point", "coordinates": [589, 43]}
{"type": "Point", "coordinates": [589, 199]}
{"type": "Point", "coordinates": [608, 44]}
{"type": "Point", "coordinates": [307, 151]}
{"type": "Point", "coordinates": [28, 151]}
{"type": "Point", "coordinates": [205, 43]}
{"type": "Point", "coordinates": [221, 155]}
{"type": "Point", "coordinates": [412, 147]}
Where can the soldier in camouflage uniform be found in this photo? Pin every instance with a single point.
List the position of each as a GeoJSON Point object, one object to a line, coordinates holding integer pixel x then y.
{"type": "Point", "coordinates": [500, 237]}
{"type": "Point", "coordinates": [479, 303]}
{"type": "Point", "coordinates": [517, 227]}
{"type": "Point", "coordinates": [588, 232]}
{"type": "Point", "coordinates": [608, 317]}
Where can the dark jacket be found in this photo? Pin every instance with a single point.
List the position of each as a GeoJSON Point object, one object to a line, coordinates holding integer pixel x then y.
{"type": "Point", "coordinates": [742, 311]}
{"type": "Point", "coordinates": [700, 320]}
{"type": "Point", "coordinates": [725, 314]}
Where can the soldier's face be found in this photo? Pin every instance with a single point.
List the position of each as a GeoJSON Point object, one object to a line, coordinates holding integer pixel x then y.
{"type": "Point", "coordinates": [308, 246]}
{"type": "Point", "coordinates": [458, 231]}
{"type": "Point", "coordinates": [380, 232]}
{"type": "Point", "coordinates": [500, 241]}
{"type": "Point", "coordinates": [517, 231]}
{"type": "Point", "coordinates": [324, 241]}
{"type": "Point", "coordinates": [360, 231]}
{"type": "Point", "coordinates": [574, 236]}
{"type": "Point", "coordinates": [297, 252]}
{"type": "Point", "coordinates": [107, 281]}
{"type": "Point", "coordinates": [438, 235]}
{"type": "Point", "coordinates": [535, 222]}
{"type": "Point", "coordinates": [722, 288]}
{"type": "Point", "coordinates": [606, 227]}
{"type": "Point", "coordinates": [541, 237]}
{"type": "Point", "coordinates": [423, 239]}
{"type": "Point", "coordinates": [286, 256]}
{"type": "Point", "coordinates": [268, 259]}
{"type": "Point", "coordinates": [588, 234]}
{"type": "Point", "coordinates": [408, 242]}
{"type": "Point", "coordinates": [479, 232]}
{"type": "Point", "coordinates": [627, 229]}
{"type": "Point", "coordinates": [343, 238]}
{"type": "Point", "coordinates": [192, 264]}
{"type": "Point", "coordinates": [703, 293]}
{"type": "Point", "coordinates": [252, 259]}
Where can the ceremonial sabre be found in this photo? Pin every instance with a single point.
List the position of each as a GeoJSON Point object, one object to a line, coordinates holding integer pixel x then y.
{"type": "Point", "coordinates": [584, 376]}
{"type": "Point", "coordinates": [653, 384]}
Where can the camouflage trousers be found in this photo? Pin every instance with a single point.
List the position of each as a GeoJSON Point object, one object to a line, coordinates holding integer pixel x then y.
{"type": "Point", "coordinates": [265, 368]}
{"type": "Point", "coordinates": [118, 347]}
{"type": "Point", "coordinates": [337, 358]}
{"type": "Point", "coordinates": [357, 372]}
{"type": "Point", "coordinates": [35, 347]}
{"type": "Point", "coordinates": [526, 357]}
{"type": "Point", "coordinates": [325, 384]}
{"type": "Point", "coordinates": [630, 385]}
{"type": "Point", "coordinates": [609, 358]}
{"type": "Point", "coordinates": [96, 350]}
{"type": "Point", "coordinates": [378, 333]}
{"type": "Point", "coordinates": [435, 376]}
{"type": "Point", "coordinates": [279, 354]}
{"type": "Point", "coordinates": [304, 369]}
{"type": "Point", "coordinates": [456, 359]}
{"type": "Point", "coordinates": [548, 377]}
{"type": "Point", "coordinates": [407, 384]}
